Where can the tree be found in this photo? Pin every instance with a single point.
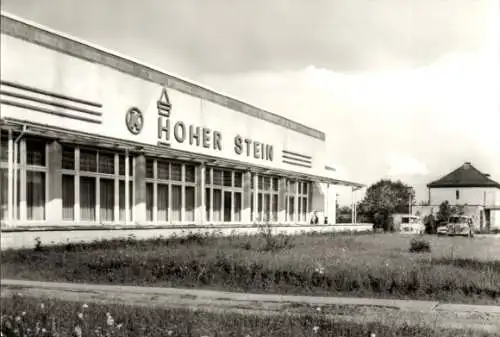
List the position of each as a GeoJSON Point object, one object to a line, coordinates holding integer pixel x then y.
{"type": "Point", "coordinates": [430, 223]}
{"type": "Point", "coordinates": [383, 199]}
{"type": "Point", "coordinates": [444, 213]}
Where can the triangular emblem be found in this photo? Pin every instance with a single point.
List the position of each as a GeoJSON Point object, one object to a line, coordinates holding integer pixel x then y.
{"type": "Point", "coordinates": [163, 104]}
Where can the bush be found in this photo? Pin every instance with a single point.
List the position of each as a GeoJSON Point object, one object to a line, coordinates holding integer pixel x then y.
{"type": "Point", "coordinates": [420, 246]}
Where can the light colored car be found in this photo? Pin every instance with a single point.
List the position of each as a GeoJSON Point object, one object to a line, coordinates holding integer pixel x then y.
{"type": "Point", "coordinates": [411, 224]}
{"type": "Point", "coordinates": [458, 225]}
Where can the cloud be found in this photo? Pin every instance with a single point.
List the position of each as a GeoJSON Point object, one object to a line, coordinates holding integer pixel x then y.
{"type": "Point", "coordinates": [404, 165]}
{"type": "Point", "coordinates": [226, 36]}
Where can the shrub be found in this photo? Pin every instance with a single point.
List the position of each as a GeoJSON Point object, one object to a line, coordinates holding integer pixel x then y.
{"type": "Point", "coordinates": [420, 246]}
{"type": "Point", "coordinates": [274, 242]}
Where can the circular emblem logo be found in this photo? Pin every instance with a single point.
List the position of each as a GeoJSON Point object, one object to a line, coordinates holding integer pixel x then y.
{"type": "Point", "coordinates": [134, 120]}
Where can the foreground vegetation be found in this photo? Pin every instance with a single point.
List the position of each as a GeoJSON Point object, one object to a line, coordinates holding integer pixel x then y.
{"type": "Point", "coordinates": [48, 318]}
{"type": "Point", "coordinates": [369, 265]}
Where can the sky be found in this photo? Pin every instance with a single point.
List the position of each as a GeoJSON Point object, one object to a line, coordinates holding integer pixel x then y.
{"type": "Point", "coordinates": [404, 89]}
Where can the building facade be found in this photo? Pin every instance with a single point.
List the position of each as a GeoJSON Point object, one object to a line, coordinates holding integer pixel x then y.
{"type": "Point", "coordinates": [471, 190]}
{"type": "Point", "coordinates": [93, 138]}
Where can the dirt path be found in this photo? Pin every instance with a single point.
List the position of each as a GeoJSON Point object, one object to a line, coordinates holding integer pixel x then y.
{"type": "Point", "coordinates": [391, 312]}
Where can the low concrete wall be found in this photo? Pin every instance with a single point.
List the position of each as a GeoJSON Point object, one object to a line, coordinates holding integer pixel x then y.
{"type": "Point", "coordinates": [53, 236]}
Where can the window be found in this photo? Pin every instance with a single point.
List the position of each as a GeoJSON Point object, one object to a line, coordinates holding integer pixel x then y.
{"type": "Point", "coordinates": [224, 195]}
{"type": "Point", "coordinates": [30, 176]}
{"type": "Point", "coordinates": [87, 198]}
{"type": "Point", "coordinates": [457, 194]}
{"type": "Point", "coordinates": [170, 191]}
{"type": "Point", "coordinates": [267, 199]}
{"type": "Point", "coordinates": [98, 173]}
{"type": "Point", "coordinates": [297, 200]}
{"type": "Point", "coordinates": [106, 199]}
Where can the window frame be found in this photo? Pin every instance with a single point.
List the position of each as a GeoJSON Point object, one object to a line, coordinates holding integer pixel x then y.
{"type": "Point", "coordinates": [155, 181]}
{"type": "Point", "coordinates": [20, 204]}
{"type": "Point", "coordinates": [116, 177]}
{"type": "Point", "coordinates": [233, 189]}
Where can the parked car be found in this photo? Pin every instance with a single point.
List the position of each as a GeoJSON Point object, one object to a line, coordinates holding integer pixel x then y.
{"type": "Point", "coordinates": [411, 224]}
{"type": "Point", "coordinates": [457, 225]}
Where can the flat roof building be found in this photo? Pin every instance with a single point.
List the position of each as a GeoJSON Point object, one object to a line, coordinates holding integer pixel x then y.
{"type": "Point", "coordinates": [93, 138]}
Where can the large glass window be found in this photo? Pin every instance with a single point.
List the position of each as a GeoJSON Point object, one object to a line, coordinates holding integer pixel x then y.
{"type": "Point", "coordinates": [224, 191]}
{"type": "Point", "coordinates": [170, 191]}
{"type": "Point", "coordinates": [297, 200]}
{"type": "Point", "coordinates": [91, 178]}
{"type": "Point", "coordinates": [29, 178]}
{"type": "Point", "coordinates": [267, 198]}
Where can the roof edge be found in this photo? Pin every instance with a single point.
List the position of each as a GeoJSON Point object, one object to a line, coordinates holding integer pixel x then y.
{"type": "Point", "coordinates": [27, 30]}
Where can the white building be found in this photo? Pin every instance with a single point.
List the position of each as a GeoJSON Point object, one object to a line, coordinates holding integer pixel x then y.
{"type": "Point", "coordinates": [467, 186]}
{"type": "Point", "coordinates": [94, 140]}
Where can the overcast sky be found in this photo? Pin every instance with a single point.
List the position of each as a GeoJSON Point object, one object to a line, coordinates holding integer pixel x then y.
{"type": "Point", "coordinates": [404, 89]}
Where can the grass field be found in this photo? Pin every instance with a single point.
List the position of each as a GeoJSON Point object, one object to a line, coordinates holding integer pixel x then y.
{"type": "Point", "coordinates": [30, 317]}
{"type": "Point", "coordinates": [369, 265]}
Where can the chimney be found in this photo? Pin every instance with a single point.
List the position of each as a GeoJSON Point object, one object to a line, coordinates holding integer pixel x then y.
{"type": "Point", "coordinates": [467, 165]}
{"type": "Point", "coordinates": [487, 175]}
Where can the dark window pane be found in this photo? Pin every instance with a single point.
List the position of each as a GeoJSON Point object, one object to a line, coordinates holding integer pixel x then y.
{"type": "Point", "coordinates": [87, 198]}
{"type": "Point", "coordinates": [237, 206]}
{"type": "Point", "coordinates": [68, 197]}
{"type": "Point", "coordinates": [149, 168]}
{"type": "Point", "coordinates": [251, 206]}
{"type": "Point", "coordinates": [227, 177]}
{"type": "Point", "coordinates": [149, 201]}
{"type": "Point", "coordinates": [266, 183]}
{"type": "Point", "coordinates": [207, 203]}
{"type": "Point", "coordinates": [207, 176]}
{"type": "Point", "coordinates": [217, 205]}
{"type": "Point", "coordinates": [217, 177]}
{"type": "Point", "coordinates": [35, 195]}
{"type": "Point", "coordinates": [238, 179]}
{"type": "Point", "coordinates": [189, 203]}
{"type": "Point", "coordinates": [162, 202]}
{"type": "Point", "coordinates": [176, 172]}
{"type": "Point", "coordinates": [106, 199]}
{"type": "Point", "coordinates": [35, 152]}
{"type": "Point", "coordinates": [190, 173]}
{"type": "Point", "coordinates": [176, 203]}
{"type": "Point", "coordinates": [275, 184]}
{"type": "Point", "coordinates": [68, 158]}
{"type": "Point", "coordinates": [227, 206]}
{"type": "Point", "coordinates": [274, 208]}
{"type": "Point", "coordinates": [88, 161]}
{"type": "Point", "coordinates": [4, 148]}
{"type": "Point", "coordinates": [106, 163]}
{"type": "Point", "coordinates": [162, 169]}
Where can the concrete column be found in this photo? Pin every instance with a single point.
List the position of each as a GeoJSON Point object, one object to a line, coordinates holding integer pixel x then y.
{"type": "Point", "coordinates": [282, 200]}
{"type": "Point", "coordinates": [247, 197]}
{"type": "Point", "coordinates": [22, 182]}
{"type": "Point", "coordinates": [200, 214]}
{"type": "Point", "coordinates": [10, 178]}
{"type": "Point", "coordinates": [54, 176]}
{"type": "Point", "coordinates": [127, 188]}
{"type": "Point", "coordinates": [116, 208]}
{"type": "Point", "coordinates": [140, 189]}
